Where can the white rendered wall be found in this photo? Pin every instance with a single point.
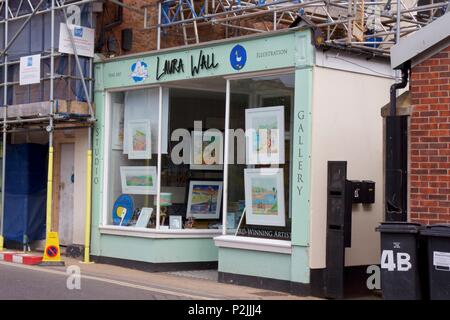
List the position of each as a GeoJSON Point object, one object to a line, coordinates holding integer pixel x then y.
{"type": "Point", "coordinates": [347, 126]}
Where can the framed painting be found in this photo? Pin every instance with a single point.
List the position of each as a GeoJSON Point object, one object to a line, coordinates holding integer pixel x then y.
{"type": "Point", "coordinates": [265, 135]}
{"type": "Point", "coordinates": [139, 139]}
{"type": "Point", "coordinates": [175, 222]}
{"type": "Point", "coordinates": [207, 155]}
{"type": "Point", "coordinates": [144, 217]}
{"type": "Point", "coordinates": [204, 199]}
{"type": "Point", "coordinates": [138, 180]}
{"type": "Point", "coordinates": [264, 197]}
{"type": "Point", "coordinates": [117, 126]}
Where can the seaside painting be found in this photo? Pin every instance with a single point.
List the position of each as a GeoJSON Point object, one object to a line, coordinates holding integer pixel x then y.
{"type": "Point", "coordinates": [204, 199]}
{"type": "Point", "coordinates": [138, 180]}
{"type": "Point", "coordinates": [265, 135]}
{"type": "Point", "coordinates": [139, 135]}
{"type": "Point", "coordinates": [264, 196]}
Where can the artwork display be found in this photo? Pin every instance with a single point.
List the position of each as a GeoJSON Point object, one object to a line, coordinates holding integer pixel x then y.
{"type": "Point", "coordinates": [207, 155]}
{"type": "Point", "coordinates": [264, 197]}
{"type": "Point", "coordinates": [138, 180]}
{"type": "Point", "coordinates": [265, 135]}
{"type": "Point", "coordinates": [122, 210]}
{"type": "Point", "coordinates": [175, 222]}
{"type": "Point", "coordinates": [139, 139]}
{"type": "Point", "coordinates": [117, 126]}
{"type": "Point", "coordinates": [144, 104]}
{"type": "Point", "coordinates": [204, 199]}
{"type": "Point", "coordinates": [144, 217]}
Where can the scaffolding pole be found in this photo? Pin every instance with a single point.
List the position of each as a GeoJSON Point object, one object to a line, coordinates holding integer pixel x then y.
{"type": "Point", "coordinates": [5, 115]}
{"type": "Point", "coordinates": [48, 220]}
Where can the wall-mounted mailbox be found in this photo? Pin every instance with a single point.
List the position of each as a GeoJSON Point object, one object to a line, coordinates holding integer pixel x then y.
{"type": "Point", "coordinates": [355, 191]}
{"type": "Point", "coordinates": [367, 191]}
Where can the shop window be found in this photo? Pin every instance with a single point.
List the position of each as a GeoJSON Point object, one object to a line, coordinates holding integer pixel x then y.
{"type": "Point", "coordinates": [191, 189]}
{"type": "Point", "coordinates": [188, 173]}
{"type": "Point", "coordinates": [258, 203]}
{"type": "Point", "coordinates": [133, 163]}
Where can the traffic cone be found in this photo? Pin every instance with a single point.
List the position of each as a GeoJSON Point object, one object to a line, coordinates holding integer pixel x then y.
{"type": "Point", "coordinates": [52, 252]}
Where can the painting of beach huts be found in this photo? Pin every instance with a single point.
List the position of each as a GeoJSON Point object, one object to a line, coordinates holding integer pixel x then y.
{"type": "Point", "coordinates": [265, 135]}
{"type": "Point", "coordinates": [139, 139]}
{"type": "Point", "coordinates": [264, 196]}
{"type": "Point", "coordinates": [204, 199]}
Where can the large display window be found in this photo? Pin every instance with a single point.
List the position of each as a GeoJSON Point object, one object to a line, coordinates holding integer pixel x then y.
{"type": "Point", "coordinates": [171, 141]}
{"type": "Point", "coordinates": [258, 197]}
{"type": "Point", "coordinates": [156, 138]}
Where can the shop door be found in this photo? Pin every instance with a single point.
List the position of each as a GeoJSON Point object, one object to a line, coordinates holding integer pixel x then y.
{"type": "Point", "coordinates": [66, 190]}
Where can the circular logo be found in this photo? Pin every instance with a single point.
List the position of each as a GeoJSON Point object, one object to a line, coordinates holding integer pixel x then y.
{"type": "Point", "coordinates": [52, 251]}
{"type": "Point", "coordinates": [139, 71]}
{"type": "Point", "coordinates": [238, 57]}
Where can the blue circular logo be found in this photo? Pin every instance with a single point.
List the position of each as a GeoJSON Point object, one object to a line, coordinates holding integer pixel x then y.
{"type": "Point", "coordinates": [139, 71]}
{"type": "Point", "coordinates": [238, 57]}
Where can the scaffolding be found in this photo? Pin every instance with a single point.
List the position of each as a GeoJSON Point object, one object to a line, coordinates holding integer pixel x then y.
{"type": "Point", "coordinates": [63, 97]}
{"type": "Point", "coordinates": [372, 26]}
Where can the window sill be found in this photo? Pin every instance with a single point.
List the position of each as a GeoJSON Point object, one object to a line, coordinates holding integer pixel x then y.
{"type": "Point", "coordinates": [256, 244]}
{"type": "Point", "coordinates": [159, 234]}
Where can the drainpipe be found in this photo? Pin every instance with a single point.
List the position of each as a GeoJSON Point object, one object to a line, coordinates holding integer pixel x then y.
{"type": "Point", "coordinates": [396, 154]}
{"type": "Point", "coordinates": [395, 87]}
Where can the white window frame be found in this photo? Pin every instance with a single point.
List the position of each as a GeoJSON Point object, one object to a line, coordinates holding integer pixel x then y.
{"type": "Point", "coordinates": [106, 228]}
{"type": "Point", "coordinates": [234, 241]}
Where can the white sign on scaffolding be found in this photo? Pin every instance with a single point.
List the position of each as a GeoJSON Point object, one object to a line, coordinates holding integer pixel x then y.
{"type": "Point", "coordinates": [30, 69]}
{"type": "Point", "coordinates": [83, 39]}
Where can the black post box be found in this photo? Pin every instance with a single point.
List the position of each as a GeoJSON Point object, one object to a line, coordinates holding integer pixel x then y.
{"type": "Point", "coordinates": [355, 191]}
{"type": "Point", "coordinates": [367, 191]}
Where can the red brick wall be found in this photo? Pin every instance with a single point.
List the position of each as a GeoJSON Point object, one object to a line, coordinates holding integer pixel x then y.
{"type": "Point", "coordinates": [145, 39]}
{"type": "Point", "coordinates": [430, 140]}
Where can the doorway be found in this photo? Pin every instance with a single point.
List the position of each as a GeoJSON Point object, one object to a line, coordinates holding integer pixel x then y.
{"type": "Point", "coordinates": [66, 192]}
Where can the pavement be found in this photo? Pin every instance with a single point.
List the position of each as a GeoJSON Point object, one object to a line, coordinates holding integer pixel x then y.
{"type": "Point", "coordinates": [107, 282]}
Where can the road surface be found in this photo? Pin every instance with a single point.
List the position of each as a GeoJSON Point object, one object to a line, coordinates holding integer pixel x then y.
{"type": "Point", "coordinates": [34, 282]}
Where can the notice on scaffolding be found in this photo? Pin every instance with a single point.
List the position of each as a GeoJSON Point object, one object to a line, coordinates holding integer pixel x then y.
{"type": "Point", "coordinates": [83, 39]}
{"type": "Point", "coordinates": [30, 69]}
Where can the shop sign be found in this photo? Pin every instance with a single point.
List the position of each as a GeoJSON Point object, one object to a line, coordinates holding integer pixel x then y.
{"type": "Point", "coordinates": [82, 37]}
{"type": "Point", "coordinates": [264, 233]}
{"type": "Point", "coordinates": [139, 71]}
{"type": "Point", "coordinates": [238, 57]}
{"type": "Point", "coordinates": [227, 58]}
{"type": "Point", "coordinates": [30, 69]}
{"type": "Point", "coordinates": [202, 62]}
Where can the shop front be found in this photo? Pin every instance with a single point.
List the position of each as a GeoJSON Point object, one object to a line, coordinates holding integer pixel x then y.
{"type": "Point", "coordinates": [204, 157]}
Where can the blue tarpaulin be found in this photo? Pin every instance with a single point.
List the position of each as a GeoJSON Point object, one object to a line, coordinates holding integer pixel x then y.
{"type": "Point", "coordinates": [25, 191]}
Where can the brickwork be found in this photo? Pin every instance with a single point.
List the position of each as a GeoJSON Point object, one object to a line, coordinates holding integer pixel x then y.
{"type": "Point", "coordinates": [145, 39]}
{"type": "Point", "coordinates": [430, 140]}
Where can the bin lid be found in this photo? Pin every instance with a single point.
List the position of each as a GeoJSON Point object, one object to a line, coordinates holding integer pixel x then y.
{"type": "Point", "coordinates": [399, 227]}
{"type": "Point", "coordinates": [437, 230]}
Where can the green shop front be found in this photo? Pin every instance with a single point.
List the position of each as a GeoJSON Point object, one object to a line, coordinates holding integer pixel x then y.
{"type": "Point", "coordinates": [203, 159]}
